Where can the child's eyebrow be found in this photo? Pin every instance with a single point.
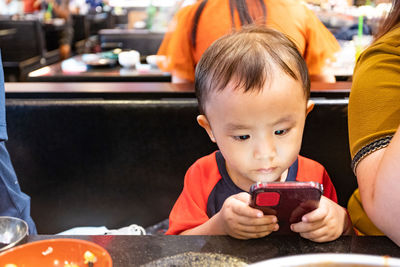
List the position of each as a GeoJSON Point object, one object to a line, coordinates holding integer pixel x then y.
{"type": "Point", "coordinates": [233, 126]}
{"type": "Point", "coordinates": [288, 118]}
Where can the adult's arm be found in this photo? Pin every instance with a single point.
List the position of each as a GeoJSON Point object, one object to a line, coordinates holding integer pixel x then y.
{"type": "Point", "coordinates": [321, 47]}
{"type": "Point", "coordinates": [378, 176]}
{"type": "Point", "coordinates": [374, 135]}
{"type": "Point", "coordinates": [176, 47]}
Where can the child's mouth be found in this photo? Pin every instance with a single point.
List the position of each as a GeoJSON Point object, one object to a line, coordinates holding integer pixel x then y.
{"type": "Point", "coordinates": [266, 170]}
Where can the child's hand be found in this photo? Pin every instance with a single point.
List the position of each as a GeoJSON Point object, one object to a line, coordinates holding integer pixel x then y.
{"type": "Point", "coordinates": [241, 221]}
{"type": "Point", "coordinates": [326, 223]}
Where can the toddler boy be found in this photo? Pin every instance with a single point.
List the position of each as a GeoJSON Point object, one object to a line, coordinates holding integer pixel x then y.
{"type": "Point", "coordinates": [253, 92]}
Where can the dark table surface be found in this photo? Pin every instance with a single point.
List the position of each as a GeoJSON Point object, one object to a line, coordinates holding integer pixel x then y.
{"type": "Point", "coordinates": [75, 70]}
{"type": "Point", "coordinates": [138, 250]}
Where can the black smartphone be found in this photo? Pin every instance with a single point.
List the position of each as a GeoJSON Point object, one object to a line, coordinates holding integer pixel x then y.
{"type": "Point", "coordinates": [289, 201]}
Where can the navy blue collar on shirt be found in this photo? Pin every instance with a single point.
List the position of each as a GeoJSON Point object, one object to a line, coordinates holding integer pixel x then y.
{"type": "Point", "coordinates": [225, 187]}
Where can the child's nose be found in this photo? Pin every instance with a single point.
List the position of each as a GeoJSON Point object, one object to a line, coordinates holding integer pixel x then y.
{"type": "Point", "coordinates": [265, 149]}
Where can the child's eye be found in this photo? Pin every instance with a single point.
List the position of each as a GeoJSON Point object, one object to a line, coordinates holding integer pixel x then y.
{"type": "Point", "coordinates": [280, 132]}
{"type": "Point", "coordinates": [241, 137]}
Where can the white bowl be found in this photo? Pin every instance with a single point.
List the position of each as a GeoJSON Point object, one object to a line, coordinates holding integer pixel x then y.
{"type": "Point", "coordinates": [129, 59]}
{"type": "Point", "coordinates": [154, 60]}
{"type": "Point", "coordinates": [329, 260]}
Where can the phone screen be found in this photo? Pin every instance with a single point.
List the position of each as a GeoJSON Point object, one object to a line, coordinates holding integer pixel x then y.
{"type": "Point", "coordinates": [289, 201]}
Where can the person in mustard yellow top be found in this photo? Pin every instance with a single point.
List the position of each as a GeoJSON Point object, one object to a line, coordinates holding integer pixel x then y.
{"type": "Point", "coordinates": [195, 27]}
{"type": "Point", "coordinates": [374, 133]}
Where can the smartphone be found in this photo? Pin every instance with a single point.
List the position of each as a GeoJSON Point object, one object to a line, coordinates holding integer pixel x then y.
{"type": "Point", "coordinates": [289, 201]}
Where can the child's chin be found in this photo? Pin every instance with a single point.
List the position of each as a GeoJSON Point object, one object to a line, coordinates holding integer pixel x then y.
{"type": "Point", "coordinates": [267, 179]}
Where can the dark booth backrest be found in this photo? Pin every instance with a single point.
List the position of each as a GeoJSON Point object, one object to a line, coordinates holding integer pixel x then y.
{"type": "Point", "coordinates": [325, 140]}
{"type": "Point", "coordinates": [24, 40]}
{"type": "Point", "coordinates": [118, 162]}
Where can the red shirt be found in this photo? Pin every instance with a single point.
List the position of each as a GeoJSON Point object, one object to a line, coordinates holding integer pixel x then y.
{"type": "Point", "coordinates": [207, 185]}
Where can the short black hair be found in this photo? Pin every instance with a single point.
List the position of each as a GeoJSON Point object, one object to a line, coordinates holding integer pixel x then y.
{"type": "Point", "coordinates": [249, 56]}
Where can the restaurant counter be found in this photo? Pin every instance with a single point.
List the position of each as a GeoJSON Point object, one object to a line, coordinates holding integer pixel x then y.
{"type": "Point", "coordinates": [139, 250]}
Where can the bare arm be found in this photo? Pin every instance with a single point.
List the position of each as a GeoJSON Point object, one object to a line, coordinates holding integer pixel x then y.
{"type": "Point", "coordinates": [211, 227]}
{"type": "Point", "coordinates": [378, 179]}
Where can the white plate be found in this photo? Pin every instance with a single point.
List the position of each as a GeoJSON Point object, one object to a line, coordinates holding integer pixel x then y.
{"type": "Point", "coordinates": [329, 260]}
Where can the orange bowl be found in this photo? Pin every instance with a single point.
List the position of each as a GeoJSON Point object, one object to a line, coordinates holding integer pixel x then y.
{"type": "Point", "coordinates": [55, 252]}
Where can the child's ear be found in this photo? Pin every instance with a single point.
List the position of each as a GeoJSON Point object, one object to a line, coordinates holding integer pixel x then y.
{"type": "Point", "coordinates": [310, 106]}
{"type": "Point", "coordinates": [203, 122]}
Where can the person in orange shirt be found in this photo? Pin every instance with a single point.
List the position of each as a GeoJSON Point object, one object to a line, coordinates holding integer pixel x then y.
{"type": "Point", "coordinates": [195, 27]}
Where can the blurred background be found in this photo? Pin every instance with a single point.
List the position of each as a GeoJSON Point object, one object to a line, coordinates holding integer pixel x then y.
{"type": "Point", "coordinates": [79, 37]}
{"type": "Point", "coordinates": [89, 111]}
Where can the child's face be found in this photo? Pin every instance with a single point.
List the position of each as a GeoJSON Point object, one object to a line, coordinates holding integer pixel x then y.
{"type": "Point", "coordinates": [258, 133]}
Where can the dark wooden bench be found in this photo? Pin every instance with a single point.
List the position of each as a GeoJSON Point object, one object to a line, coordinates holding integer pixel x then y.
{"type": "Point", "coordinates": [93, 162]}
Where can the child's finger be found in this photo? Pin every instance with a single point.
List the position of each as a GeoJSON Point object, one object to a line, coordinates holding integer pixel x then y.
{"type": "Point", "coordinates": [243, 209]}
{"type": "Point", "coordinates": [267, 219]}
{"type": "Point", "coordinates": [258, 230]}
{"type": "Point", "coordinates": [249, 235]}
{"type": "Point", "coordinates": [314, 216]}
{"type": "Point", "coordinates": [325, 206]}
{"type": "Point", "coordinates": [243, 196]}
{"type": "Point", "coordinates": [304, 227]}
{"type": "Point", "coordinates": [317, 235]}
